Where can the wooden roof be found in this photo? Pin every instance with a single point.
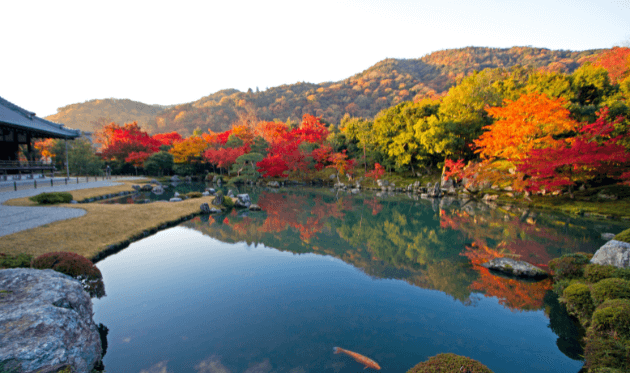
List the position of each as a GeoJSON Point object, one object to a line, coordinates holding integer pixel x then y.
{"type": "Point", "coordinates": [14, 117]}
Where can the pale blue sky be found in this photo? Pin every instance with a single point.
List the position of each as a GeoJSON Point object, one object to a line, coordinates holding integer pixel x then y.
{"type": "Point", "coordinates": [57, 53]}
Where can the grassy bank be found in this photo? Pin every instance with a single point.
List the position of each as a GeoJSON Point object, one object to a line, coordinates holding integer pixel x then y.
{"type": "Point", "coordinates": [102, 226]}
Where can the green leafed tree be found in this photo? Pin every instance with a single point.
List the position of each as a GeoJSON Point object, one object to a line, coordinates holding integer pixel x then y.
{"type": "Point", "coordinates": [245, 167]}
{"type": "Point", "coordinates": [160, 163]}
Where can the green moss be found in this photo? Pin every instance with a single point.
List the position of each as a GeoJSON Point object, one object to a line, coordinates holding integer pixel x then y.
{"type": "Point", "coordinates": [577, 297]}
{"type": "Point", "coordinates": [610, 288]}
{"type": "Point", "coordinates": [623, 236]}
{"type": "Point", "coordinates": [569, 266]}
{"type": "Point", "coordinates": [595, 272]}
{"type": "Point", "coordinates": [612, 317]}
{"type": "Point", "coordinates": [193, 194]}
{"type": "Point", "coordinates": [17, 261]}
{"type": "Point", "coordinates": [52, 198]}
{"type": "Point", "coordinates": [449, 363]}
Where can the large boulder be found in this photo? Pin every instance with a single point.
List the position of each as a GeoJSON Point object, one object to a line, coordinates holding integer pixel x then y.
{"type": "Point", "coordinates": [615, 253]}
{"type": "Point", "coordinates": [515, 268]}
{"type": "Point", "coordinates": [243, 201]}
{"type": "Point", "coordinates": [46, 322]}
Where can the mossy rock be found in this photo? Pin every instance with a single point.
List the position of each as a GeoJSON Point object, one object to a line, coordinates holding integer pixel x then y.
{"type": "Point", "coordinates": [623, 236]}
{"type": "Point", "coordinates": [569, 266]}
{"type": "Point", "coordinates": [596, 272]}
{"type": "Point", "coordinates": [612, 316]}
{"type": "Point", "coordinates": [610, 288]}
{"type": "Point", "coordinates": [577, 297]}
{"type": "Point", "coordinates": [604, 352]}
{"type": "Point", "coordinates": [449, 363]}
{"type": "Point", "coordinates": [52, 198]}
{"type": "Point", "coordinates": [605, 370]}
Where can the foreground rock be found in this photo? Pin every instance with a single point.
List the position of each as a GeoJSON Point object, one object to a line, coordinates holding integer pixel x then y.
{"type": "Point", "coordinates": [614, 253]}
{"type": "Point", "coordinates": [515, 268]}
{"type": "Point", "coordinates": [46, 322]}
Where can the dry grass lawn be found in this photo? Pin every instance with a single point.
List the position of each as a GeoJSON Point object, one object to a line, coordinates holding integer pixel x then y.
{"type": "Point", "coordinates": [101, 226]}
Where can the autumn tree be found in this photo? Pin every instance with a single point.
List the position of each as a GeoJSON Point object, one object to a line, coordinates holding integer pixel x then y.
{"type": "Point", "coordinates": [593, 152]}
{"type": "Point", "coordinates": [189, 150]}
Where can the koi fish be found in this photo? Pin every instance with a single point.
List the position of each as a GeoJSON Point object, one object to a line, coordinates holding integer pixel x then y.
{"type": "Point", "coordinates": [369, 363]}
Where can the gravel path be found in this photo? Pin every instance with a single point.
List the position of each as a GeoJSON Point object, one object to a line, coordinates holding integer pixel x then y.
{"type": "Point", "coordinates": [19, 218]}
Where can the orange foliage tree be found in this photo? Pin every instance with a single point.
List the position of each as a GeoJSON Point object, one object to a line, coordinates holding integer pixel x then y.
{"type": "Point", "coordinates": [189, 150]}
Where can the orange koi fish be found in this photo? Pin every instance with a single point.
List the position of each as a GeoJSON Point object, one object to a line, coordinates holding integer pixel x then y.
{"type": "Point", "coordinates": [369, 363]}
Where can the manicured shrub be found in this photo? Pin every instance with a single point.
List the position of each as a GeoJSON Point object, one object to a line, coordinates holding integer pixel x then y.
{"type": "Point", "coordinates": [612, 316]}
{"type": "Point", "coordinates": [52, 198]}
{"type": "Point", "coordinates": [577, 297]}
{"type": "Point", "coordinates": [610, 288]}
{"type": "Point", "coordinates": [560, 285]}
{"type": "Point", "coordinates": [569, 266]}
{"type": "Point", "coordinates": [623, 236]}
{"type": "Point", "coordinates": [71, 264]}
{"type": "Point", "coordinates": [227, 202]}
{"type": "Point", "coordinates": [76, 266]}
{"type": "Point", "coordinates": [449, 363]}
{"type": "Point", "coordinates": [15, 261]}
{"type": "Point", "coordinates": [605, 352]}
{"type": "Point", "coordinates": [193, 194]}
{"type": "Point", "coordinates": [596, 272]}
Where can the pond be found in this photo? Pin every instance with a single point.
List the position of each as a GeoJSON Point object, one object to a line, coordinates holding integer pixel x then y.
{"type": "Point", "coordinates": [392, 278]}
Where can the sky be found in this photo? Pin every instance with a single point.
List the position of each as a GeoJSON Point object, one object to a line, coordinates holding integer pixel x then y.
{"type": "Point", "coordinates": [56, 53]}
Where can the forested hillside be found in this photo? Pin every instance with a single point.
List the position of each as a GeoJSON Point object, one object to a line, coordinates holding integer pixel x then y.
{"type": "Point", "coordinates": [387, 83]}
{"type": "Point", "coordinates": [92, 115]}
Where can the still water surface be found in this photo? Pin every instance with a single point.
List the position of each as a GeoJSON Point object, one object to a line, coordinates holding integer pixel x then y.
{"type": "Point", "coordinates": [391, 278]}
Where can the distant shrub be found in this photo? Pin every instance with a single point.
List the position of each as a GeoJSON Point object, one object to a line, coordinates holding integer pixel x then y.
{"type": "Point", "coordinates": [569, 266]}
{"type": "Point", "coordinates": [193, 194]}
{"type": "Point", "coordinates": [613, 316]}
{"type": "Point", "coordinates": [52, 198]}
{"type": "Point", "coordinates": [15, 261]}
{"type": "Point", "coordinates": [577, 297]}
{"type": "Point", "coordinates": [610, 288]}
{"type": "Point", "coordinates": [227, 202]}
{"type": "Point", "coordinates": [596, 272]}
{"type": "Point", "coordinates": [449, 363]}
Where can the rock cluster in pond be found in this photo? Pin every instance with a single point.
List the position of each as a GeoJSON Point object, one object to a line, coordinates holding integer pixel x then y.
{"type": "Point", "coordinates": [615, 253]}
{"type": "Point", "coordinates": [243, 201]}
{"type": "Point", "coordinates": [515, 268]}
{"type": "Point", "coordinates": [46, 322]}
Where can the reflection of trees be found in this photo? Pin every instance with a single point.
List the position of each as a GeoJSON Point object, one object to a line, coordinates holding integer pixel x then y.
{"type": "Point", "coordinates": [568, 330]}
{"type": "Point", "coordinates": [512, 293]}
{"type": "Point", "coordinates": [403, 240]}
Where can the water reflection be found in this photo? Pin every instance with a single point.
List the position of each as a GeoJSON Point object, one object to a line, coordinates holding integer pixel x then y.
{"type": "Point", "coordinates": [440, 247]}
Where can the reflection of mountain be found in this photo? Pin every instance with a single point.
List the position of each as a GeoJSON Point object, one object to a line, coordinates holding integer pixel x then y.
{"type": "Point", "coordinates": [410, 241]}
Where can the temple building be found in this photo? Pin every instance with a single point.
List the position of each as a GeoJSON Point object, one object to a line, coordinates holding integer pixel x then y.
{"type": "Point", "coordinates": [19, 126]}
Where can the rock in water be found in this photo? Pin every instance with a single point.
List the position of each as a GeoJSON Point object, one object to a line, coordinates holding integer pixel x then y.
{"type": "Point", "coordinates": [254, 207]}
{"type": "Point", "coordinates": [205, 208]}
{"type": "Point", "coordinates": [157, 190]}
{"type": "Point", "coordinates": [46, 322]}
{"type": "Point", "coordinates": [243, 200]}
{"type": "Point", "coordinates": [615, 253]}
{"type": "Point", "coordinates": [515, 268]}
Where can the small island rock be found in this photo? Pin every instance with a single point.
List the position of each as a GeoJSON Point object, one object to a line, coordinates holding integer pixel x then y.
{"type": "Point", "coordinates": [514, 267]}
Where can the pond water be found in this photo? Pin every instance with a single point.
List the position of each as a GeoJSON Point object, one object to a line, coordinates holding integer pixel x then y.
{"type": "Point", "coordinates": [391, 278]}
